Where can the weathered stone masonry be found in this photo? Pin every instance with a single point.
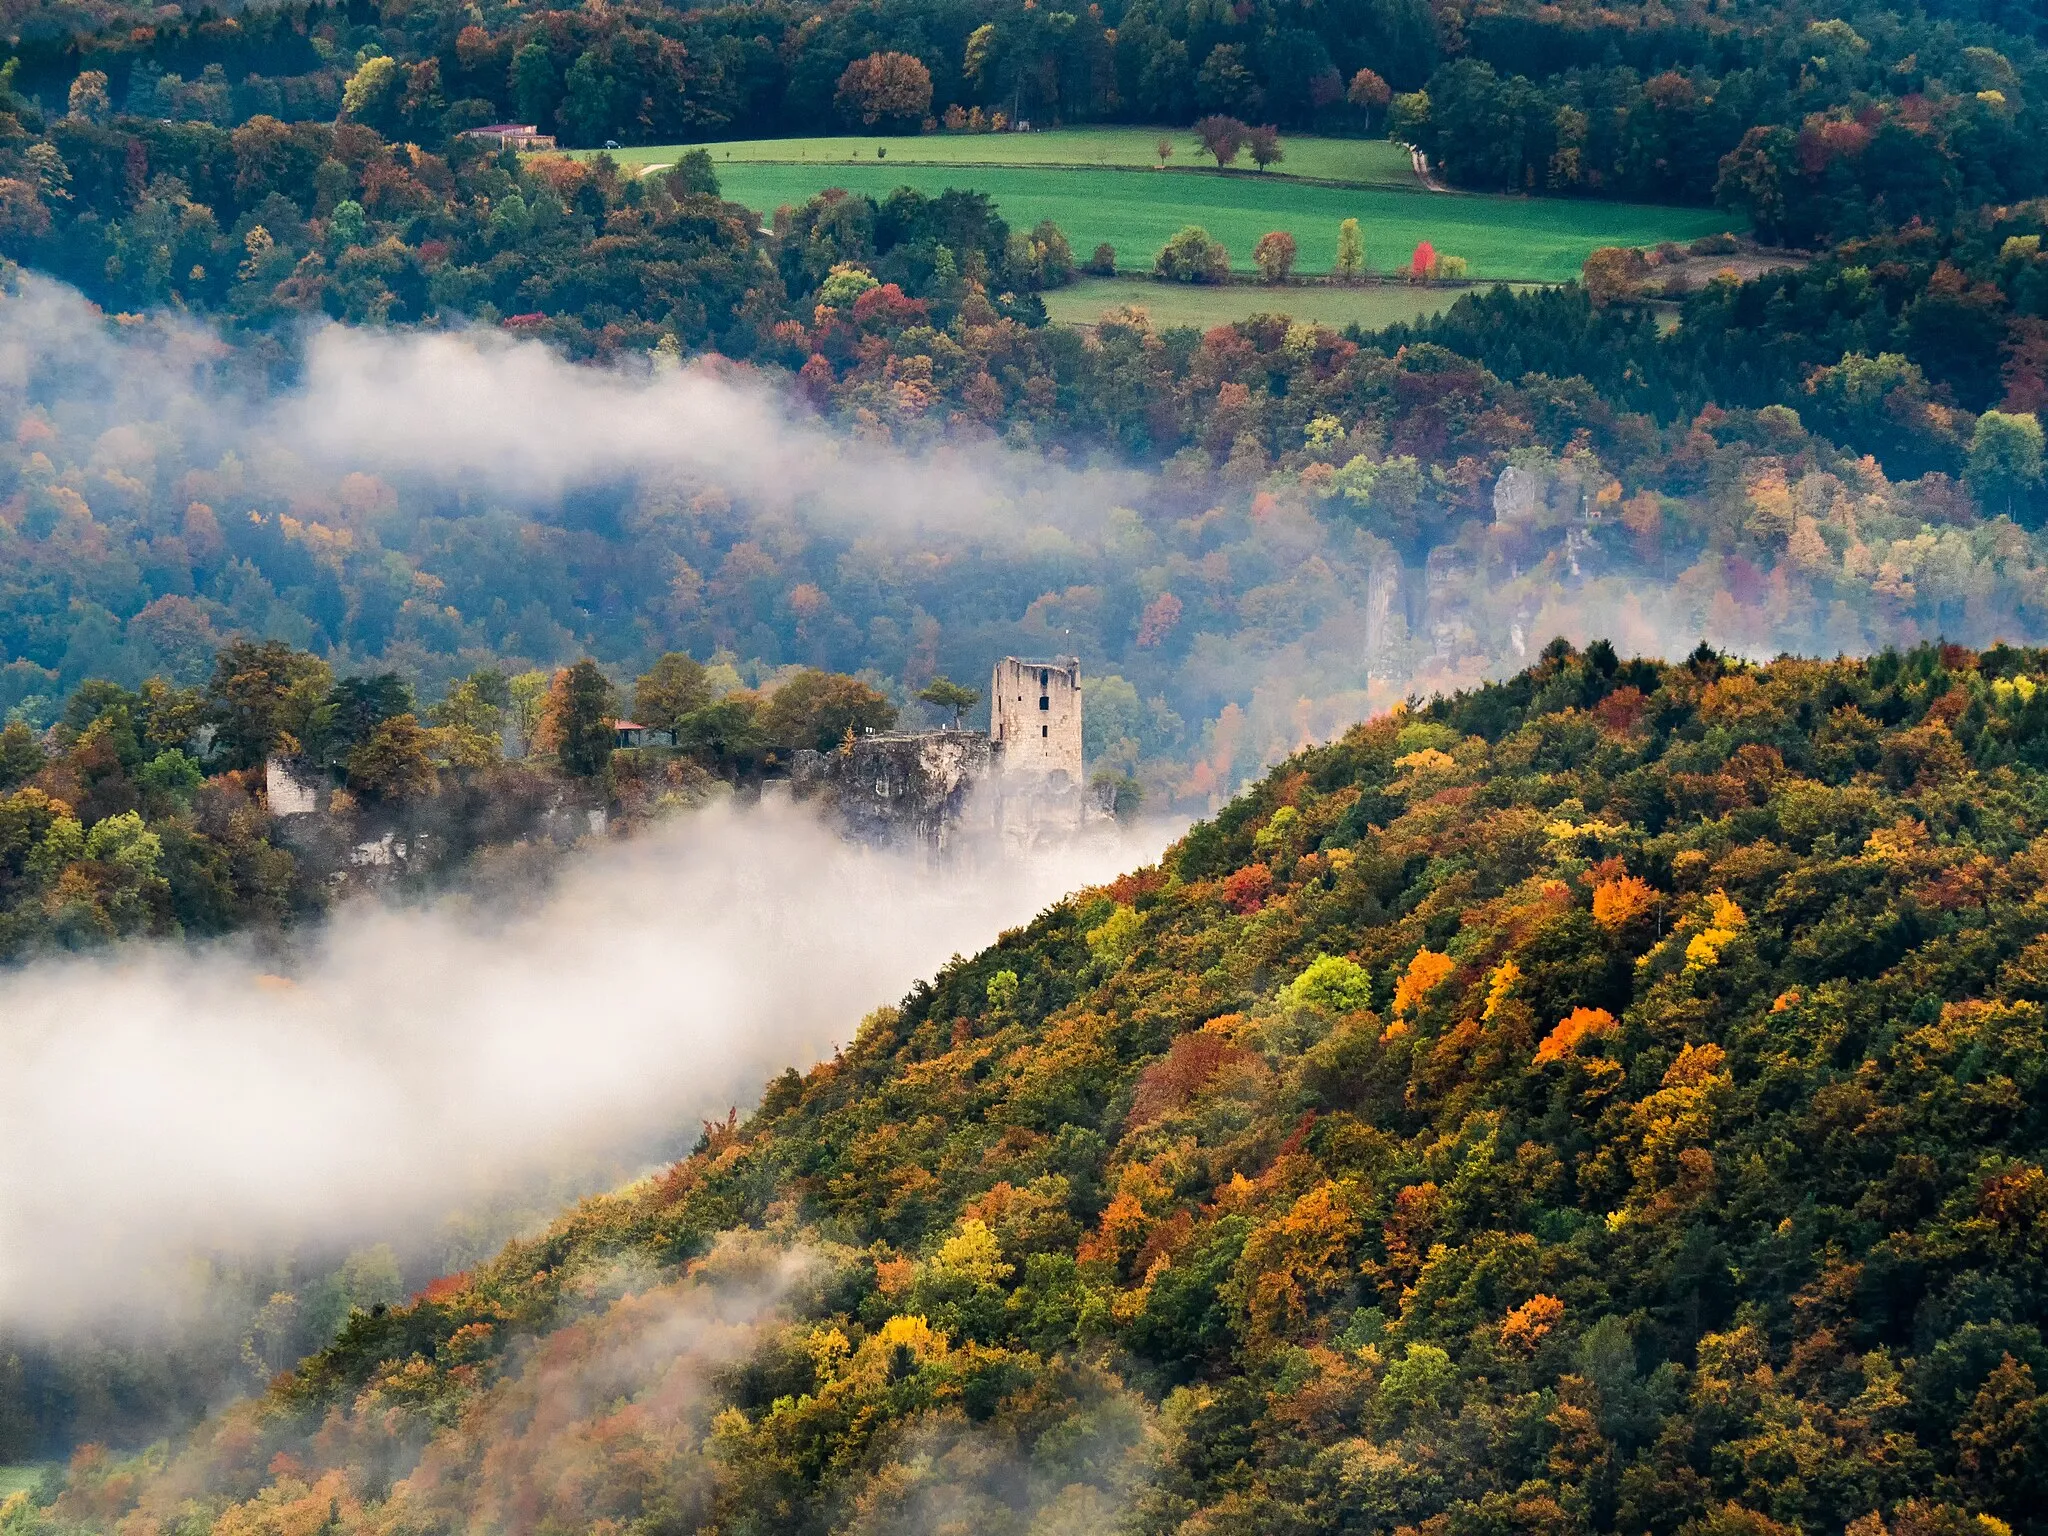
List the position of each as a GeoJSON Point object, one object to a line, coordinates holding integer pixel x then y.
{"type": "Point", "coordinates": [1019, 786]}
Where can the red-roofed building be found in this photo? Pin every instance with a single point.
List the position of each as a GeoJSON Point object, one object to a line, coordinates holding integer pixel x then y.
{"type": "Point", "coordinates": [630, 733]}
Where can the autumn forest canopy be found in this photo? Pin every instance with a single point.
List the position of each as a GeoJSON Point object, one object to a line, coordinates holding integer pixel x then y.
{"type": "Point", "coordinates": [1574, 1074]}
{"type": "Point", "coordinates": [1598, 1101]}
{"type": "Point", "coordinates": [1827, 455]}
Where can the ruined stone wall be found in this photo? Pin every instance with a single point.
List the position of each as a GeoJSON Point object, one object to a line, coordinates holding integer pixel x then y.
{"type": "Point", "coordinates": [1035, 718]}
{"type": "Point", "coordinates": [1020, 787]}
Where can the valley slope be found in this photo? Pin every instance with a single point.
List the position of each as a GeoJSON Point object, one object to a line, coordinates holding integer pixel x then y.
{"type": "Point", "coordinates": [1603, 1101]}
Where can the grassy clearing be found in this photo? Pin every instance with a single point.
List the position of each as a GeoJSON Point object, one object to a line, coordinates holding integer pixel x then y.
{"type": "Point", "coordinates": [1530, 239]}
{"type": "Point", "coordinates": [1361, 162]}
{"type": "Point", "coordinates": [1169, 304]}
{"type": "Point", "coordinates": [19, 1477]}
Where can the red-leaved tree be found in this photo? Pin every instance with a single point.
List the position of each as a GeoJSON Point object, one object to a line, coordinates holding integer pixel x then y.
{"type": "Point", "coordinates": [1222, 137]}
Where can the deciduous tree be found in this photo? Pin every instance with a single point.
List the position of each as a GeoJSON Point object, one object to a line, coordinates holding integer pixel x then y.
{"type": "Point", "coordinates": [1274, 256]}
{"type": "Point", "coordinates": [356, 706]}
{"type": "Point", "coordinates": [1350, 251]}
{"type": "Point", "coordinates": [726, 736]}
{"type": "Point", "coordinates": [581, 709]}
{"type": "Point", "coordinates": [1369, 93]}
{"type": "Point", "coordinates": [885, 88]}
{"type": "Point", "coordinates": [673, 687]}
{"type": "Point", "coordinates": [395, 762]}
{"type": "Point", "coordinates": [88, 99]}
{"type": "Point", "coordinates": [2005, 464]}
{"type": "Point", "coordinates": [470, 722]}
{"type": "Point", "coordinates": [21, 755]}
{"type": "Point", "coordinates": [816, 709]}
{"type": "Point", "coordinates": [1222, 137]}
{"type": "Point", "coordinates": [1614, 272]}
{"type": "Point", "coordinates": [1192, 257]}
{"type": "Point", "coordinates": [264, 695]}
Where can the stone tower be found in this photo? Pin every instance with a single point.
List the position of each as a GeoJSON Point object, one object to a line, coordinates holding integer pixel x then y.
{"type": "Point", "coordinates": [1035, 719]}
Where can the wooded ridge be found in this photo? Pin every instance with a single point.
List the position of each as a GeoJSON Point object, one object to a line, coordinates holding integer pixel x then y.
{"type": "Point", "coordinates": [1599, 1101]}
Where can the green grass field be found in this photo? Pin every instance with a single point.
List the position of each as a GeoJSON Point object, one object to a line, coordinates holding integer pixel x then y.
{"type": "Point", "coordinates": [1530, 239]}
{"type": "Point", "coordinates": [1363, 162]}
{"type": "Point", "coordinates": [1169, 304]}
{"type": "Point", "coordinates": [20, 1476]}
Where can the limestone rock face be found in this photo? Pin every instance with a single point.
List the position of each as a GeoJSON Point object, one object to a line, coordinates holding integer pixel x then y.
{"type": "Point", "coordinates": [290, 789]}
{"type": "Point", "coordinates": [890, 787]}
{"type": "Point", "coordinates": [1517, 496]}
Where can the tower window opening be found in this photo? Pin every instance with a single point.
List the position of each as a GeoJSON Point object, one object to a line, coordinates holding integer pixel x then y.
{"type": "Point", "coordinates": [1044, 702]}
{"type": "Point", "coordinates": [1045, 730]}
{"type": "Point", "coordinates": [1044, 679]}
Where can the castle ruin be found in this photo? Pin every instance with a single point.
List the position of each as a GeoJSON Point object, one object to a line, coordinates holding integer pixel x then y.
{"type": "Point", "coordinates": [1020, 786]}
{"type": "Point", "coordinates": [1035, 717]}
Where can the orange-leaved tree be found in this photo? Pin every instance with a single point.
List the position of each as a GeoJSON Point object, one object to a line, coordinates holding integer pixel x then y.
{"type": "Point", "coordinates": [1576, 1027]}
{"type": "Point", "coordinates": [1426, 972]}
{"type": "Point", "coordinates": [1618, 903]}
{"type": "Point", "coordinates": [1274, 256]}
{"type": "Point", "coordinates": [1369, 93]}
{"type": "Point", "coordinates": [885, 88]}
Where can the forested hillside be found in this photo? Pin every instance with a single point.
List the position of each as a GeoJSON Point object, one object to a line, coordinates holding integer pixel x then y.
{"type": "Point", "coordinates": [1327, 529]}
{"type": "Point", "coordinates": [146, 813]}
{"type": "Point", "coordinates": [314, 159]}
{"type": "Point", "coordinates": [1817, 123]}
{"type": "Point", "coordinates": [1834, 455]}
{"type": "Point", "coordinates": [1594, 1096]}
{"type": "Point", "coordinates": [1601, 1101]}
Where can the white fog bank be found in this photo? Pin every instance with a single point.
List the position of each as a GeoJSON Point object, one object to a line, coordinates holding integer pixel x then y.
{"type": "Point", "coordinates": [166, 1101]}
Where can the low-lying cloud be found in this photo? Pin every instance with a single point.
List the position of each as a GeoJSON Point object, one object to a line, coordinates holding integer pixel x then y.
{"type": "Point", "coordinates": [478, 411]}
{"type": "Point", "coordinates": [696, 505]}
{"type": "Point", "coordinates": [165, 1101]}
{"type": "Point", "coordinates": [475, 408]}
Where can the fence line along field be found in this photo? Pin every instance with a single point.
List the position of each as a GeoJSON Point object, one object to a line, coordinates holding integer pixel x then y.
{"type": "Point", "coordinates": [1527, 239]}
{"type": "Point", "coordinates": [1358, 162]}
